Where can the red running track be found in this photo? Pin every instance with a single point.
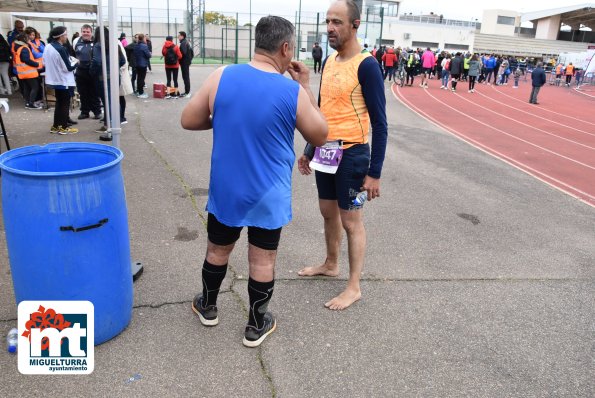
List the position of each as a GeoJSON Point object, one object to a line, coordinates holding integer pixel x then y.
{"type": "Point", "coordinates": [553, 141]}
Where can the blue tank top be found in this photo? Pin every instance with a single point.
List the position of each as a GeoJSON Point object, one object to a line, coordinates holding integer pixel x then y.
{"type": "Point", "coordinates": [252, 160]}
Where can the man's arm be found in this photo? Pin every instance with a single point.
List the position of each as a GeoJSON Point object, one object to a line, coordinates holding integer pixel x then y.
{"type": "Point", "coordinates": [197, 114]}
{"type": "Point", "coordinates": [373, 91]}
{"type": "Point", "coordinates": [310, 122]}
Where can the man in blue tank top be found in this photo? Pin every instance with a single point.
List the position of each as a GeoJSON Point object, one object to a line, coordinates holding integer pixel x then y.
{"type": "Point", "coordinates": [253, 110]}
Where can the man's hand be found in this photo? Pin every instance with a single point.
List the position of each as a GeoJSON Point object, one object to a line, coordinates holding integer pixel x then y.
{"type": "Point", "coordinates": [372, 185]}
{"type": "Point", "coordinates": [304, 165]}
{"type": "Point", "coordinates": [300, 73]}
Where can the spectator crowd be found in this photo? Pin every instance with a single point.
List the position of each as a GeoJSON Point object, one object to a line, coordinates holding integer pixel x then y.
{"type": "Point", "coordinates": [71, 70]}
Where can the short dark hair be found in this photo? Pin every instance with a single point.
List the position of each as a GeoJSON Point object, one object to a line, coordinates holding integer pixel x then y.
{"type": "Point", "coordinates": [56, 32]}
{"type": "Point", "coordinates": [87, 26]}
{"type": "Point", "coordinates": [182, 33]}
{"type": "Point", "coordinates": [353, 10]}
{"type": "Point", "coordinates": [272, 32]}
{"type": "Point", "coordinates": [97, 36]}
{"type": "Point", "coordinates": [23, 37]}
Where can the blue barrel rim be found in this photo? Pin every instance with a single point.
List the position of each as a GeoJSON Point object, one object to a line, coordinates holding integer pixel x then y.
{"type": "Point", "coordinates": [59, 147]}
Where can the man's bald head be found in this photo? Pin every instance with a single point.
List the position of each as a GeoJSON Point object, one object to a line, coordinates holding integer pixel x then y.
{"type": "Point", "coordinates": [19, 26]}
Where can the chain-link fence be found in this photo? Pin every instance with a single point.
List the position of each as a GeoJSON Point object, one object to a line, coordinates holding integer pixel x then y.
{"type": "Point", "coordinates": [229, 37]}
{"type": "Point", "coordinates": [223, 38]}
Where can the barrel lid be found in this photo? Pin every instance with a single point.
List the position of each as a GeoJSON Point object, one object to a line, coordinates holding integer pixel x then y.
{"type": "Point", "coordinates": [60, 147]}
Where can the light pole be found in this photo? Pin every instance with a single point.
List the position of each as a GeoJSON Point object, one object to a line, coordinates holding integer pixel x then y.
{"type": "Point", "coordinates": [299, 40]}
{"type": "Point", "coordinates": [250, 37]}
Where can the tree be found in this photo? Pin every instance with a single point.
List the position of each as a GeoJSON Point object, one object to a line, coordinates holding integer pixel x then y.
{"type": "Point", "coordinates": [216, 18]}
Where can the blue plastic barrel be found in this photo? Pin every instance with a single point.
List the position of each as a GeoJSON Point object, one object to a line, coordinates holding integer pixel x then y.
{"type": "Point", "coordinates": [66, 226]}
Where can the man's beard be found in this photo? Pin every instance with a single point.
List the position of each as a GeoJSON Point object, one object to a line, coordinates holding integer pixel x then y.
{"type": "Point", "coordinates": [337, 45]}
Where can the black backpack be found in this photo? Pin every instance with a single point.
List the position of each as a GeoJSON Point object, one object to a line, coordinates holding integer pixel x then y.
{"type": "Point", "coordinates": [171, 58]}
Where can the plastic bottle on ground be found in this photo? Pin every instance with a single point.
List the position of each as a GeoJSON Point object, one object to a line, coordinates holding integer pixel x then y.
{"type": "Point", "coordinates": [12, 340]}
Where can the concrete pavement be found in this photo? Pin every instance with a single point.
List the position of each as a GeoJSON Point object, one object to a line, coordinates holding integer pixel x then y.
{"type": "Point", "coordinates": [478, 280]}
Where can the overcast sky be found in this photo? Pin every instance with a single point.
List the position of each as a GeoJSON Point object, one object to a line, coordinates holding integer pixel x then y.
{"type": "Point", "coordinates": [453, 9]}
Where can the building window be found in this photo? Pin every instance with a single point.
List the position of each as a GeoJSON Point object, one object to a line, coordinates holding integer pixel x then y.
{"type": "Point", "coordinates": [386, 42]}
{"type": "Point", "coordinates": [424, 44]}
{"type": "Point", "coordinates": [506, 20]}
{"type": "Point", "coordinates": [449, 46]}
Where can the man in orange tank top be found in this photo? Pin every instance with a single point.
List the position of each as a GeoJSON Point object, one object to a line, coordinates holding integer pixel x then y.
{"type": "Point", "coordinates": [351, 98]}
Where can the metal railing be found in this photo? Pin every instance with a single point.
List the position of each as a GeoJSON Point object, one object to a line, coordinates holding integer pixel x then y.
{"type": "Point", "coordinates": [440, 21]}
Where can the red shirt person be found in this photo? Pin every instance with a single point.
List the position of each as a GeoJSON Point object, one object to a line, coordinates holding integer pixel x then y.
{"type": "Point", "coordinates": [172, 56]}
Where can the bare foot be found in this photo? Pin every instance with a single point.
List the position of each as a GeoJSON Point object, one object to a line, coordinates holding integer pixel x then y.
{"type": "Point", "coordinates": [320, 270]}
{"type": "Point", "coordinates": [344, 300]}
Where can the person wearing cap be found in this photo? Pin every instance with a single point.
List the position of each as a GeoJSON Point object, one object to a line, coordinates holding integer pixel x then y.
{"type": "Point", "coordinates": [172, 56]}
{"type": "Point", "coordinates": [59, 76]}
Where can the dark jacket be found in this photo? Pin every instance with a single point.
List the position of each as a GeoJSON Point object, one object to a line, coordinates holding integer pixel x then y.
{"type": "Point", "coordinates": [4, 50]}
{"type": "Point", "coordinates": [84, 53]}
{"type": "Point", "coordinates": [130, 54]}
{"type": "Point", "coordinates": [96, 63]}
{"type": "Point", "coordinates": [166, 46]}
{"type": "Point", "coordinates": [456, 65]}
{"type": "Point", "coordinates": [141, 55]}
{"type": "Point", "coordinates": [11, 36]}
{"type": "Point", "coordinates": [187, 52]}
{"type": "Point", "coordinates": [538, 77]}
{"type": "Point", "coordinates": [26, 55]}
{"type": "Point", "coordinates": [317, 53]}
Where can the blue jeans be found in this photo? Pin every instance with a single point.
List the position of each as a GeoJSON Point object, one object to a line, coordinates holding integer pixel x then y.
{"type": "Point", "coordinates": [444, 77]}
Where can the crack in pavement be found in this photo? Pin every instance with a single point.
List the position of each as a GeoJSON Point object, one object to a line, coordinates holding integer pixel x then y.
{"type": "Point", "coordinates": [240, 301]}
{"type": "Point", "coordinates": [235, 277]}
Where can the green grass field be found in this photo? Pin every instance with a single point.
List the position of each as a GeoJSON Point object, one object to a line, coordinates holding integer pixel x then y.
{"type": "Point", "coordinates": [215, 61]}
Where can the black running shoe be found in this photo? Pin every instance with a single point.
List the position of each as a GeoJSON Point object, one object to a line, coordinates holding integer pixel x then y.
{"type": "Point", "coordinates": [208, 315]}
{"type": "Point", "coordinates": [254, 337]}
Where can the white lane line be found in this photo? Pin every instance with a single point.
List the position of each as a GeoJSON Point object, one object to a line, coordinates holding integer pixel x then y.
{"type": "Point", "coordinates": [510, 135]}
{"type": "Point", "coordinates": [545, 110]}
{"type": "Point", "coordinates": [583, 93]}
{"type": "Point", "coordinates": [532, 114]}
{"type": "Point", "coordinates": [527, 125]}
{"type": "Point", "coordinates": [587, 199]}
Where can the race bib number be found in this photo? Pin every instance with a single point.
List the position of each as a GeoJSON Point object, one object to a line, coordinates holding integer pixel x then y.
{"type": "Point", "coordinates": [327, 157]}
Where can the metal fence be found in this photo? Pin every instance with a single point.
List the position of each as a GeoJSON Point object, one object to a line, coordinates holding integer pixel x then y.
{"type": "Point", "coordinates": [220, 37]}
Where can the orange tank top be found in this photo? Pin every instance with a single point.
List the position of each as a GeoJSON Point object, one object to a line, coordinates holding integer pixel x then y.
{"type": "Point", "coordinates": [342, 101]}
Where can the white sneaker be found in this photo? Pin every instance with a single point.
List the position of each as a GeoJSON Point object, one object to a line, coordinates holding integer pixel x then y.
{"type": "Point", "coordinates": [441, 87]}
{"type": "Point", "coordinates": [470, 91]}
{"type": "Point", "coordinates": [143, 95]}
